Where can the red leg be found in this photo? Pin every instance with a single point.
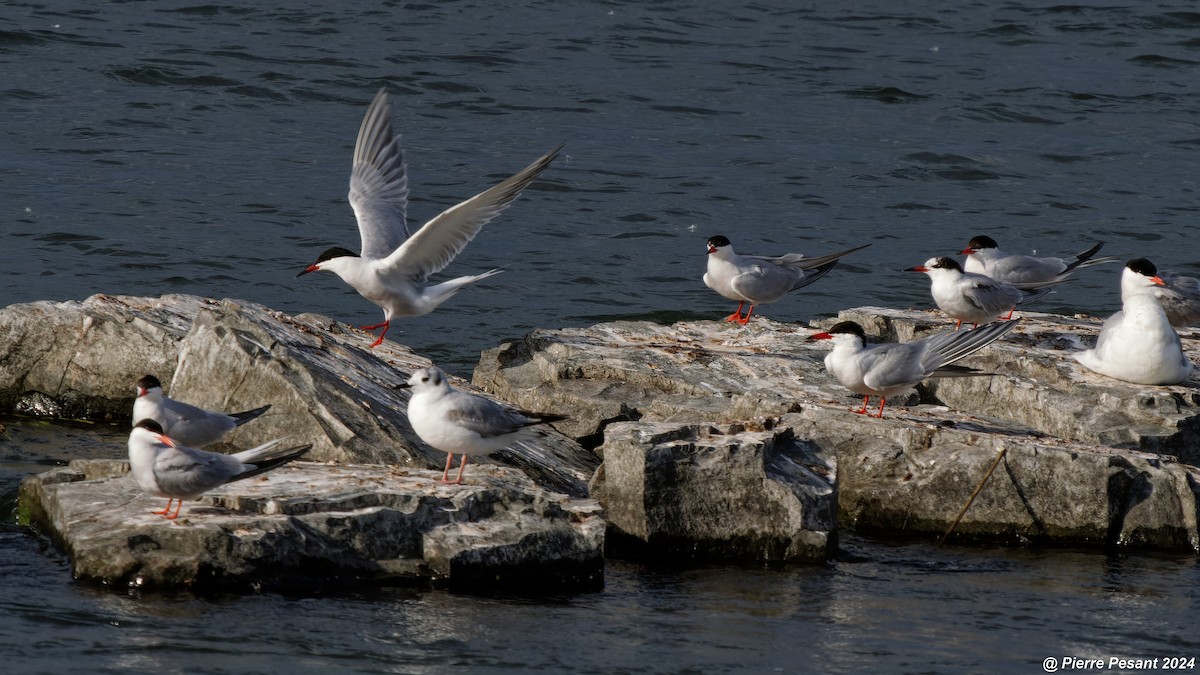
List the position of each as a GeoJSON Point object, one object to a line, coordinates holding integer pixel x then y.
{"type": "Point", "coordinates": [178, 505]}
{"type": "Point", "coordinates": [1010, 312]}
{"type": "Point", "coordinates": [863, 409]}
{"type": "Point", "coordinates": [385, 326]}
{"type": "Point", "coordinates": [881, 401]}
{"type": "Point", "coordinates": [446, 473]}
{"type": "Point", "coordinates": [746, 320]}
{"type": "Point", "coordinates": [957, 324]}
{"type": "Point", "coordinates": [165, 511]}
{"type": "Point", "coordinates": [736, 316]}
{"type": "Point", "coordinates": [461, 466]}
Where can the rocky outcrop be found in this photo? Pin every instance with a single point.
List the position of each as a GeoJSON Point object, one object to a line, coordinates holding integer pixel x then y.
{"type": "Point", "coordinates": [728, 491]}
{"type": "Point", "coordinates": [310, 522]}
{"type": "Point", "coordinates": [324, 385]}
{"type": "Point", "coordinates": [1074, 468]}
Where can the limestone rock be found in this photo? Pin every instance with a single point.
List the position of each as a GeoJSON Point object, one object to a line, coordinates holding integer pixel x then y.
{"type": "Point", "coordinates": [1075, 469]}
{"type": "Point", "coordinates": [309, 522]}
{"type": "Point", "coordinates": [688, 490]}
{"type": "Point", "coordinates": [324, 385]}
{"type": "Point", "coordinates": [82, 359]}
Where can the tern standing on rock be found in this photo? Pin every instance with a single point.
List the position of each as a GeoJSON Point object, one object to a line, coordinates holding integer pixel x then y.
{"type": "Point", "coordinates": [985, 257]}
{"type": "Point", "coordinates": [186, 423]}
{"type": "Point", "coordinates": [1138, 344]}
{"type": "Point", "coordinates": [889, 368]}
{"type": "Point", "coordinates": [457, 422]}
{"type": "Point", "coordinates": [164, 467]}
{"type": "Point", "coordinates": [759, 280]}
{"type": "Point", "coordinates": [391, 268]}
{"type": "Point", "coordinates": [971, 298]}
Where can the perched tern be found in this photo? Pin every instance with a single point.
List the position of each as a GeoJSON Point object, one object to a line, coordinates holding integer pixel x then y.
{"type": "Point", "coordinates": [186, 423]}
{"type": "Point", "coordinates": [457, 422]}
{"type": "Point", "coordinates": [164, 467]}
{"type": "Point", "coordinates": [985, 257]}
{"type": "Point", "coordinates": [759, 280]}
{"type": "Point", "coordinates": [971, 298]}
{"type": "Point", "coordinates": [886, 369]}
{"type": "Point", "coordinates": [1138, 344]}
{"type": "Point", "coordinates": [1180, 298]}
{"type": "Point", "coordinates": [391, 268]}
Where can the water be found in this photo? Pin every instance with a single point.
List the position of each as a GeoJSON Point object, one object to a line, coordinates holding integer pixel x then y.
{"type": "Point", "coordinates": [204, 148]}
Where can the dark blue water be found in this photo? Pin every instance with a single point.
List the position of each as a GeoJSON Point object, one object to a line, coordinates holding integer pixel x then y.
{"type": "Point", "coordinates": [153, 147]}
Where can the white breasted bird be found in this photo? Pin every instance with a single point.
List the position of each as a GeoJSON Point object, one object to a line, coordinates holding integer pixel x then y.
{"type": "Point", "coordinates": [985, 257]}
{"type": "Point", "coordinates": [1138, 344]}
{"type": "Point", "coordinates": [886, 369]}
{"type": "Point", "coordinates": [759, 280]}
{"type": "Point", "coordinates": [186, 423]}
{"type": "Point", "coordinates": [391, 268]}
{"type": "Point", "coordinates": [971, 298]}
{"type": "Point", "coordinates": [457, 422]}
{"type": "Point", "coordinates": [164, 467]}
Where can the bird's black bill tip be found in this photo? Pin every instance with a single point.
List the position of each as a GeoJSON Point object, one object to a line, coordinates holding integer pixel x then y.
{"type": "Point", "coordinates": [306, 270]}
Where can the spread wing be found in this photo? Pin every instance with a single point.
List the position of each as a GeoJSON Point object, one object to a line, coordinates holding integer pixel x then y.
{"type": "Point", "coordinates": [433, 246]}
{"type": "Point", "coordinates": [379, 182]}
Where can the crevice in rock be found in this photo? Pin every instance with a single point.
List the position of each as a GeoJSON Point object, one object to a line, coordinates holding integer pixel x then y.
{"type": "Point", "coordinates": [1016, 482]}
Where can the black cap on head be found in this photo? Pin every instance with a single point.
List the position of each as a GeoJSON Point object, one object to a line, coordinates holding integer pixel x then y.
{"type": "Point", "coordinates": [982, 241]}
{"type": "Point", "coordinates": [946, 264]}
{"type": "Point", "coordinates": [718, 241]}
{"type": "Point", "coordinates": [848, 327]}
{"type": "Point", "coordinates": [1143, 267]}
{"type": "Point", "coordinates": [150, 425]}
{"type": "Point", "coordinates": [149, 382]}
{"type": "Point", "coordinates": [335, 252]}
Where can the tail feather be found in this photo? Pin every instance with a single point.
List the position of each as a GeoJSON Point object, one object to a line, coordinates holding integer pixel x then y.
{"type": "Point", "coordinates": [808, 263]}
{"type": "Point", "coordinates": [264, 465]}
{"type": "Point", "coordinates": [439, 293]}
{"type": "Point", "coordinates": [958, 345]}
{"type": "Point", "coordinates": [257, 452]}
{"type": "Point", "coordinates": [1085, 256]}
{"type": "Point", "coordinates": [243, 417]}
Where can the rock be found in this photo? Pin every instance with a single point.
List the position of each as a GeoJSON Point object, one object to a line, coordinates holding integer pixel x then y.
{"type": "Point", "coordinates": [82, 359]}
{"type": "Point", "coordinates": [1074, 470]}
{"type": "Point", "coordinates": [324, 385]}
{"type": "Point", "coordinates": [696, 491]}
{"type": "Point", "coordinates": [309, 522]}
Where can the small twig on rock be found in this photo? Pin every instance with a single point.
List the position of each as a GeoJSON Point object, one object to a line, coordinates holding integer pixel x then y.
{"type": "Point", "coordinates": [986, 476]}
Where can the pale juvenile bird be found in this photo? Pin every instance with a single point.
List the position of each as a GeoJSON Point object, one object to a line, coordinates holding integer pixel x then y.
{"type": "Point", "coordinates": [163, 467]}
{"type": "Point", "coordinates": [759, 280]}
{"type": "Point", "coordinates": [1138, 344]}
{"type": "Point", "coordinates": [887, 369]}
{"type": "Point", "coordinates": [391, 268]}
{"type": "Point", "coordinates": [186, 423]}
{"type": "Point", "coordinates": [457, 422]}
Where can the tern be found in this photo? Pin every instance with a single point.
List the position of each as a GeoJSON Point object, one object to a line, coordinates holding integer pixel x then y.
{"type": "Point", "coordinates": [1138, 344]}
{"type": "Point", "coordinates": [985, 257]}
{"type": "Point", "coordinates": [186, 423]}
{"type": "Point", "coordinates": [457, 422]}
{"type": "Point", "coordinates": [889, 368]}
{"type": "Point", "coordinates": [972, 298]}
{"type": "Point", "coordinates": [759, 280]}
{"type": "Point", "coordinates": [163, 467]}
{"type": "Point", "coordinates": [391, 267]}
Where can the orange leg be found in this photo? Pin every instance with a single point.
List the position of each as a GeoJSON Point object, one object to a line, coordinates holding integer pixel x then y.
{"type": "Point", "coordinates": [461, 466]}
{"type": "Point", "coordinates": [881, 401]}
{"type": "Point", "coordinates": [736, 316]}
{"type": "Point", "coordinates": [178, 505]}
{"type": "Point", "coordinates": [863, 409]}
{"type": "Point", "coordinates": [957, 324]}
{"type": "Point", "coordinates": [446, 473]}
{"type": "Point", "coordinates": [166, 510]}
{"type": "Point", "coordinates": [1010, 312]}
{"type": "Point", "coordinates": [746, 320]}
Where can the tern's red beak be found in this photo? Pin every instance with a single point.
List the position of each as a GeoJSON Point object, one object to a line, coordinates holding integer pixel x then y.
{"type": "Point", "coordinates": [1158, 281]}
{"type": "Point", "coordinates": [712, 249]}
{"type": "Point", "coordinates": [918, 268]}
{"type": "Point", "coordinates": [165, 440]}
{"type": "Point", "coordinates": [968, 251]}
{"type": "Point", "coordinates": [820, 336]}
{"type": "Point", "coordinates": [310, 268]}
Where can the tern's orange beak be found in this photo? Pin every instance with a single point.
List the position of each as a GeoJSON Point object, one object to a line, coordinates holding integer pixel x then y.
{"type": "Point", "coordinates": [1158, 281]}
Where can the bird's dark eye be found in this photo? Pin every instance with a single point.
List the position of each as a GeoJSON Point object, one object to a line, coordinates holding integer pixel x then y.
{"type": "Point", "coordinates": [425, 379]}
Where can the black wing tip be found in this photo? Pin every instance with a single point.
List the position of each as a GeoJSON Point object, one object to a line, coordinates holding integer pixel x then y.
{"type": "Point", "coordinates": [246, 416]}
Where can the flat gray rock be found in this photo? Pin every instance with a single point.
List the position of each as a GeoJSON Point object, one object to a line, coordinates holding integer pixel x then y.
{"type": "Point", "coordinates": [311, 523]}
{"type": "Point", "coordinates": [1076, 468]}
